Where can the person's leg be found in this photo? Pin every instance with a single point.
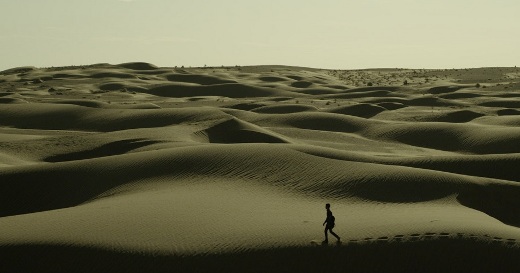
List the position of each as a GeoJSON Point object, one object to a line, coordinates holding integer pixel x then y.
{"type": "Point", "coordinates": [326, 235]}
{"type": "Point", "coordinates": [335, 235]}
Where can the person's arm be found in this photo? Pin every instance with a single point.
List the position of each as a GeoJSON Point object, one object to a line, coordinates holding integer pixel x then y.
{"type": "Point", "coordinates": [327, 219]}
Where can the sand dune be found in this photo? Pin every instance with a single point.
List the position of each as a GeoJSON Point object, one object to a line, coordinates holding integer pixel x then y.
{"type": "Point", "coordinates": [67, 116]}
{"type": "Point", "coordinates": [506, 103]}
{"type": "Point", "coordinates": [198, 79]}
{"type": "Point", "coordinates": [238, 131]}
{"type": "Point", "coordinates": [360, 110]}
{"type": "Point", "coordinates": [508, 111]}
{"type": "Point", "coordinates": [139, 168]}
{"type": "Point", "coordinates": [284, 109]}
{"type": "Point", "coordinates": [138, 66]}
{"type": "Point", "coordinates": [231, 90]}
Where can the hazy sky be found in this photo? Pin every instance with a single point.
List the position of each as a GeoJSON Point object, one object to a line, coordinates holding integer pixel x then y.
{"type": "Point", "coordinates": [325, 33]}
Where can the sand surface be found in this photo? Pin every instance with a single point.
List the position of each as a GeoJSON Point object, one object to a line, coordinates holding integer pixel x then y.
{"type": "Point", "coordinates": [136, 168]}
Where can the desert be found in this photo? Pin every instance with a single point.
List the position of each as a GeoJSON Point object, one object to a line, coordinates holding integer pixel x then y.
{"type": "Point", "coordinates": [133, 167]}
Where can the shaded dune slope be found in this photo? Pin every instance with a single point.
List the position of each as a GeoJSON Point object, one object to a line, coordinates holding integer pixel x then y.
{"type": "Point", "coordinates": [366, 92]}
{"type": "Point", "coordinates": [100, 104]}
{"type": "Point", "coordinates": [392, 105]}
{"type": "Point", "coordinates": [108, 74]}
{"type": "Point", "coordinates": [460, 95]}
{"type": "Point", "coordinates": [449, 116]}
{"type": "Point", "coordinates": [353, 94]}
{"type": "Point", "coordinates": [313, 120]}
{"type": "Point", "coordinates": [507, 111]}
{"type": "Point", "coordinates": [238, 131]}
{"type": "Point", "coordinates": [246, 106]}
{"type": "Point", "coordinates": [138, 66]}
{"type": "Point", "coordinates": [284, 109]}
{"type": "Point", "coordinates": [112, 148]}
{"type": "Point", "coordinates": [458, 116]}
{"type": "Point", "coordinates": [8, 100]}
{"type": "Point", "coordinates": [502, 103]}
{"type": "Point", "coordinates": [360, 110]}
{"type": "Point", "coordinates": [197, 78]}
{"type": "Point", "coordinates": [113, 85]}
{"type": "Point", "coordinates": [444, 89]}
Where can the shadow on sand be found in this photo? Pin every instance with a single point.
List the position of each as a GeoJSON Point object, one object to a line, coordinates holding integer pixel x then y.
{"type": "Point", "coordinates": [447, 255]}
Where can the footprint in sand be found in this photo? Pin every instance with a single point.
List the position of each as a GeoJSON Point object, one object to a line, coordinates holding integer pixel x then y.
{"type": "Point", "coordinates": [398, 238]}
{"type": "Point", "coordinates": [510, 242]}
{"type": "Point", "coordinates": [382, 238]}
{"type": "Point", "coordinates": [415, 237]}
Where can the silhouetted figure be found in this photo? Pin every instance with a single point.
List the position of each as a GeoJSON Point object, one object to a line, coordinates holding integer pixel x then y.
{"type": "Point", "coordinates": [330, 225]}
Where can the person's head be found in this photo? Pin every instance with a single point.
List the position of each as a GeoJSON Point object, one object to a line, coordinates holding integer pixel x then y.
{"type": "Point", "coordinates": [327, 206]}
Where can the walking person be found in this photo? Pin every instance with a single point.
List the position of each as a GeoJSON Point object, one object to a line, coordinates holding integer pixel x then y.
{"type": "Point", "coordinates": [329, 221]}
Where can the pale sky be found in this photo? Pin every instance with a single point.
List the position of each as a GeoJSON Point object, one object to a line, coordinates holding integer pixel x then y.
{"type": "Point", "coordinates": [339, 34]}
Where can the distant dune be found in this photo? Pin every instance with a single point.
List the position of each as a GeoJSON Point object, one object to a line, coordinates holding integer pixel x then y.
{"type": "Point", "coordinates": [139, 168]}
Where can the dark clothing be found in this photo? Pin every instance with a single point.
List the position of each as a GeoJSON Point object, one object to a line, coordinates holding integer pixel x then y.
{"type": "Point", "coordinates": [330, 219]}
{"type": "Point", "coordinates": [330, 223]}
